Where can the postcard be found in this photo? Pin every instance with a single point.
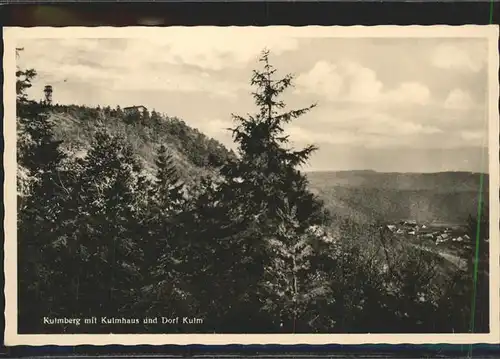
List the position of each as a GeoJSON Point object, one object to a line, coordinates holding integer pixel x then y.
{"type": "Point", "coordinates": [251, 185]}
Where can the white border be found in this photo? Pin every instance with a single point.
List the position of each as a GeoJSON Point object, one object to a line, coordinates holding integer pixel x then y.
{"type": "Point", "coordinates": [490, 33]}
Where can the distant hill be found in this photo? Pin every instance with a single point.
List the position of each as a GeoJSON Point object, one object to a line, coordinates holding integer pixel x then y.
{"type": "Point", "coordinates": [368, 195]}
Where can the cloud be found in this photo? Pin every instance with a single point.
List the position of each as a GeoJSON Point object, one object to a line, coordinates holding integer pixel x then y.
{"type": "Point", "coordinates": [218, 129]}
{"type": "Point", "coordinates": [474, 137]}
{"type": "Point", "coordinates": [467, 57]}
{"type": "Point", "coordinates": [215, 126]}
{"type": "Point", "coordinates": [361, 128]}
{"type": "Point", "coordinates": [211, 50]}
{"type": "Point", "coordinates": [123, 64]}
{"type": "Point", "coordinates": [362, 82]}
{"type": "Point", "coordinates": [458, 100]}
{"type": "Point", "coordinates": [179, 81]}
{"type": "Point", "coordinates": [91, 74]}
{"type": "Point", "coordinates": [353, 82]}
{"type": "Point", "coordinates": [300, 134]}
{"type": "Point", "coordinates": [370, 98]}
{"type": "Point", "coordinates": [409, 92]}
{"type": "Point", "coordinates": [225, 49]}
{"type": "Point", "coordinates": [384, 124]}
{"type": "Point", "coordinates": [324, 78]}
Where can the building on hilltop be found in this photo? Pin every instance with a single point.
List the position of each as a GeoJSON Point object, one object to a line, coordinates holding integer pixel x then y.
{"type": "Point", "coordinates": [131, 109]}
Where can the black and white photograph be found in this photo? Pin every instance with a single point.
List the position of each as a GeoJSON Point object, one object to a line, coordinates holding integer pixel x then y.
{"type": "Point", "coordinates": [201, 185]}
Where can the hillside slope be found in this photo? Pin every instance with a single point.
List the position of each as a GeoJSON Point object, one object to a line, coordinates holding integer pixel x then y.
{"type": "Point", "coordinates": [367, 195]}
{"type": "Point", "coordinates": [194, 153]}
{"type": "Point", "coordinates": [443, 182]}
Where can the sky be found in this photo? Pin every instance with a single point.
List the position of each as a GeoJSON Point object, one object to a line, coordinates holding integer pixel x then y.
{"type": "Point", "coordinates": [383, 104]}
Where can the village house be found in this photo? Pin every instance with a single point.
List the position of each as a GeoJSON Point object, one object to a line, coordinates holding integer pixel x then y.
{"type": "Point", "coordinates": [427, 232]}
{"type": "Point", "coordinates": [409, 224]}
{"type": "Point", "coordinates": [391, 227]}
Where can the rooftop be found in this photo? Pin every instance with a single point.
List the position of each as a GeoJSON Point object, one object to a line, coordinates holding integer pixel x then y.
{"type": "Point", "coordinates": [132, 107]}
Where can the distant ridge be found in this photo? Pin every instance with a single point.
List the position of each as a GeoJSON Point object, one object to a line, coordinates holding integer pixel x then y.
{"type": "Point", "coordinates": [367, 195]}
{"type": "Point", "coordinates": [368, 171]}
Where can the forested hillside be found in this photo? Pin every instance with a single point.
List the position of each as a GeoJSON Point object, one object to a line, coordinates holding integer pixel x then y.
{"type": "Point", "coordinates": [111, 225]}
{"type": "Point", "coordinates": [194, 154]}
{"type": "Point", "coordinates": [441, 182]}
{"type": "Point", "coordinates": [368, 196]}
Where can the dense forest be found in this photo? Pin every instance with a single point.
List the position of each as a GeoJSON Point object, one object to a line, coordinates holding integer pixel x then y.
{"type": "Point", "coordinates": [116, 227]}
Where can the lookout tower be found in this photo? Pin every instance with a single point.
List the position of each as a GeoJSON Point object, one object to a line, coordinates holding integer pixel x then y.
{"type": "Point", "coordinates": [48, 94]}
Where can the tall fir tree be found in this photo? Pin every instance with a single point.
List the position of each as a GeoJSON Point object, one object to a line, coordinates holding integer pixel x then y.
{"type": "Point", "coordinates": [24, 78]}
{"type": "Point", "coordinates": [239, 216]}
{"type": "Point", "coordinates": [104, 221]}
{"type": "Point", "coordinates": [290, 283]}
{"type": "Point", "coordinates": [40, 206]}
{"type": "Point", "coordinates": [168, 187]}
{"type": "Point", "coordinates": [477, 252]}
{"type": "Point", "coordinates": [267, 169]}
{"type": "Point", "coordinates": [161, 251]}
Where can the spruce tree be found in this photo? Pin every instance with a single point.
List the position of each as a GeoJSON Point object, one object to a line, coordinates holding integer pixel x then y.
{"type": "Point", "coordinates": [290, 284]}
{"type": "Point", "coordinates": [105, 221]}
{"type": "Point", "coordinates": [133, 117]}
{"type": "Point", "coordinates": [41, 177]}
{"type": "Point", "coordinates": [24, 78]}
{"type": "Point", "coordinates": [161, 251]}
{"type": "Point", "coordinates": [119, 112]}
{"type": "Point", "coordinates": [476, 250]}
{"type": "Point", "coordinates": [267, 169]}
{"type": "Point", "coordinates": [242, 213]}
{"type": "Point", "coordinates": [145, 117]}
{"type": "Point", "coordinates": [168, 187]}
{"type": "Point", "coordinates": [155, 119]}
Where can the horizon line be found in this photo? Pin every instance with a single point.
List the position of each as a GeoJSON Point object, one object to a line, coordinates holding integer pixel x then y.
{"type": "Point", "coordinates": [394, 172]}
